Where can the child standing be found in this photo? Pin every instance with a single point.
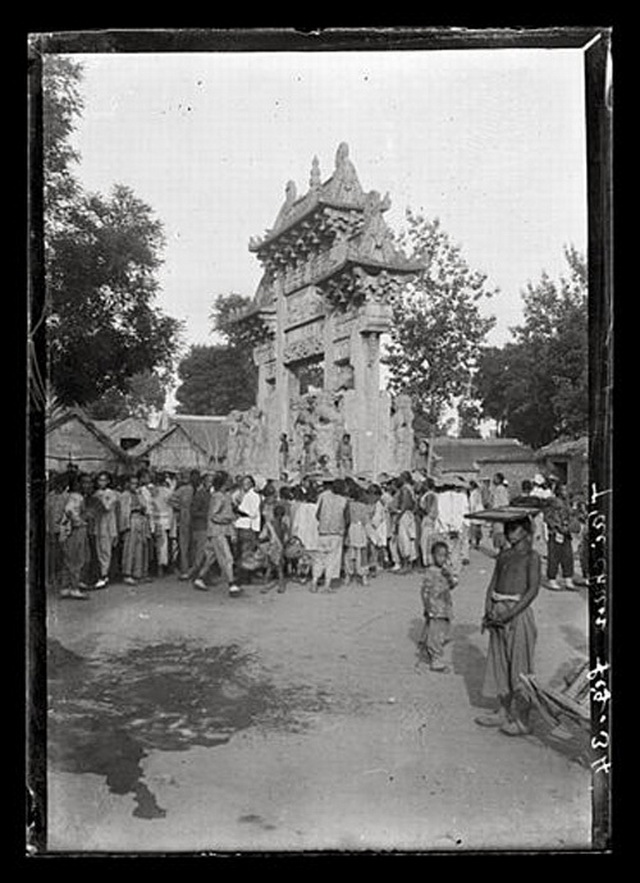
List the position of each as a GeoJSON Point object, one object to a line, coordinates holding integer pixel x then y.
{"type": "Point", "coordinates": [273, 539]}
{"type": "Point", "coordinates": [437, 585]}
{"type": "Point", "coordinates": [377, 531]}
{"type": "Point", "coordinates": [355, 563]}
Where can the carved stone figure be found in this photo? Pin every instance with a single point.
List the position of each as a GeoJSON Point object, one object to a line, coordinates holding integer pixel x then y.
{"type": "Point", "coordinates": [283, 452]}
{"type": "Point", "coordinates": [402, 433]}
{"type": "Point", "coordinates": [315, 179]}
{"type": "Point", "coordinates": [344, 377]}
{"type": "Point", "coordinates": [328, 425]}
{"type": "Point", "coordinates": [290, 197]}
{"type": "Point", "coordinates": [376, 241]}
{"type": "Point", "coordinates": [233, 443]}
{"type": "Point", "coordinates": [344, 455]}
{"type": "Point", "coordinates": [256, 438]}
{"type": "Point", "coordinates": [309, 458]}
{"type": "Point", "coordinates": [346, 186]}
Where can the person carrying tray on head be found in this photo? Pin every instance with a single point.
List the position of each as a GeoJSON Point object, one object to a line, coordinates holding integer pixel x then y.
{"type": "Point", "coordinates": [512, 630]}
{"type": "Point", "coordinates": [499, 498]}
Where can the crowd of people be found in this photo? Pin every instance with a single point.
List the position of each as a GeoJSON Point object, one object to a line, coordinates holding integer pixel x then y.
{"type": "Point", "coordinates": [320, 531]}
{"type": "Point", "coordinates": [327, 532]}
{"type": "Point", "coordinates": [541, 513]}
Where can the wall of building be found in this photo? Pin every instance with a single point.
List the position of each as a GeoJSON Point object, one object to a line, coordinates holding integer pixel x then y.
{"type": "Point", "coordinates": [515, 473]}
{"type": "Point", "coordinates": [576, 467]}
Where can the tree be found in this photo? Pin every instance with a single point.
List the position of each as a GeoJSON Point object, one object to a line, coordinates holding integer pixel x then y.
{"type": "Point", "coordinates": [239, 335]}
{"type": "Point", "coordinates": [214, 381]}
{"type": "Point", "coordinates": [536, 387]}
{"type": "Point", "coordinates": [101, 259]}
{"type": "Point", "coordinates": [61, 105]}
{"type": "Point", "coordinates": [222, 378]}
{"type": "Point", "coordinates": [513, 386]}
{"type": "Point", "coordinates": [437, 328]}
{"type": "Point", "coordinates": [469, 415]}
{"type": "Point", "coordinates": [145, 394]}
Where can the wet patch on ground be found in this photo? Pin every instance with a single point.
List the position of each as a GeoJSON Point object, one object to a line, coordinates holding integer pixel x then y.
{"type": "Point", "coordinates": [106, 714]}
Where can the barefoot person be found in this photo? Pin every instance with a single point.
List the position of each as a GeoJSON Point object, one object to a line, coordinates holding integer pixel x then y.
{"type": "Point", "coordinates": [437, 584]}
{"type": "Point", "coordinates": [512, 630]}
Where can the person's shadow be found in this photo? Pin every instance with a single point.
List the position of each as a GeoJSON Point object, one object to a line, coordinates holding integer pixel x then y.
{"type": "Point", "coordinates": [415, 631]}
{"type": "Point", "coordinates": [470, 663]}
{"type": "Point", "coordinates": [467, 659]}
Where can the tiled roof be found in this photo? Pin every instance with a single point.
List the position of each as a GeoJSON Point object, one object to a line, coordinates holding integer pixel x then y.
{"type": "Point", "coordinates": [565, 447]}
{"type": "Point", "coordinates": [209, 433]}
{"type": "Point", "coordinates": [464, 454]}
{"type": "Point", "coordinates": [64, 416]}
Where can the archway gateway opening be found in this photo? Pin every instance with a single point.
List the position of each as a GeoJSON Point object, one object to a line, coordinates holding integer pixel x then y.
{"type": "Point", "coordinates": [309, 375]}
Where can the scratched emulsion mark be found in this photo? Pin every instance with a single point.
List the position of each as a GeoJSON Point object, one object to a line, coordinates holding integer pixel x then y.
{"type": "Point", "coordinates": [105, 715]}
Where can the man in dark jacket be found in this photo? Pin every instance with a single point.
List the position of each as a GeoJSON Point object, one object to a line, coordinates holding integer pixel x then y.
{"type": "Point", "coordinates": [558, 518]}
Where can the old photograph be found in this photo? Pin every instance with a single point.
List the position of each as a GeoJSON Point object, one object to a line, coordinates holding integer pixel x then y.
{"type": "Point", "coordinates": [318, 544]}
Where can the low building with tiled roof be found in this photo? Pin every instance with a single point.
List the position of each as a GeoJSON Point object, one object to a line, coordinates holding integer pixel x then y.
{"type": "Point", "coordinates": [568, 459]}
{"type": "Point", "coordinates": [71, 437]}
{"type": "Point", "coordinates": [480, 459]}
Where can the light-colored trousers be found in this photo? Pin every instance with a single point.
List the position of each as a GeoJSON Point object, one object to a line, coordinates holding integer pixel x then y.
{"type": "Point", "coordinates": [407, 536]}
{"type": "Point", "coordinates": [355, 561]}
{"type": "Point", "coordinates": [327, 559]}
{"type": "Point", "coordinates": [216, 549]}
{"type": "Point", "coordinates": [104, 551]}
{"type": "Point", "coordinates": [428, 536]}
{"type": "Point", "coordinates": [161, 538]}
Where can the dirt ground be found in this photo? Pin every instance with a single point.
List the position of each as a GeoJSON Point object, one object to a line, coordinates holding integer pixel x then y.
{"type": "Point", "coordinates": [189, 721]}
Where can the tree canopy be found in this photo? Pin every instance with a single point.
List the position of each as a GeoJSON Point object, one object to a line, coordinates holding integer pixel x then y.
{"type": "Point", "coordinates": [438, 330]}
{"type": "Point", "coordinates": [536, 387]}
{"type": "Point", "coordinates": [145, 393]}
{"type": "Point", "coordinates": [102, 254]}
{"type": "Point", "coordinates": [221, 378]}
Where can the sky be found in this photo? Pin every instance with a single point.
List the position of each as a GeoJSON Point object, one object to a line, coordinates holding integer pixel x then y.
{"type": "Point", "coordinates": [492, 142]}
